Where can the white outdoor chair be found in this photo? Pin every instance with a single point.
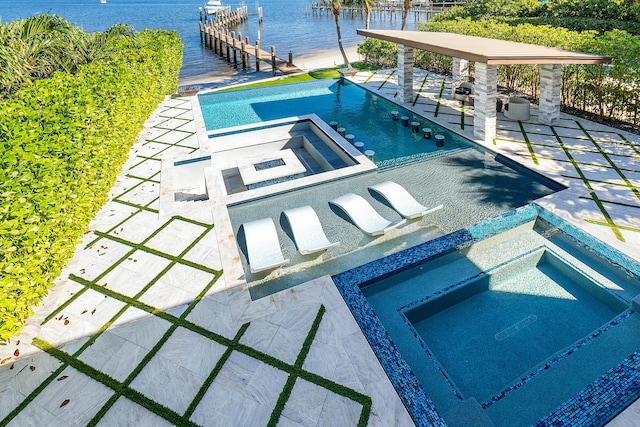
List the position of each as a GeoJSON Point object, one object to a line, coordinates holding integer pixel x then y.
{"type": "Point", "coordinates": [263, 246]}
{"type": "Point", "coordinates": [400, 200]}
{"type": "Point", "coordinates": [364, 216]}
{"type": "Point", "coordinates": [307, 230]}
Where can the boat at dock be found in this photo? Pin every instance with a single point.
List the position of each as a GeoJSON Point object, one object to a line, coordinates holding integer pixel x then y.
{"type": "Point", "coordinates": [214, 6]}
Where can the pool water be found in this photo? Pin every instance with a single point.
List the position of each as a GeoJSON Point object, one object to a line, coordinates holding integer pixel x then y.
{"type": "Point", "coordinates": [503, 321]}
{"type": "Point", "coordinates": [499, 324]}
{"type": "Point", "coordinates": [465, 183]}
{"type": "Point", "coordinates": [362, 113]}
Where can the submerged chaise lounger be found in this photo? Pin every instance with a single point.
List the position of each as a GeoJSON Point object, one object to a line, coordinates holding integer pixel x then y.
{"type": "Point", "coordinates": [307, 230]}
{"type": "Point", "coordinates": [364, 216]}
{"type": "Point", "coordinates": [263, 246]}
{"type": "Point", "coordinates": [400, 200]}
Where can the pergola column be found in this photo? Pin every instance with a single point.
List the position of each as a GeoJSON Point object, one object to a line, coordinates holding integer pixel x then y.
{"type": "Point", "coordinates": [405, 72]}
{"type": "Point", "coordinates": [549, 108]}
{"type": "Point", "coordinates": [486, 88]}
{"type": "Point", "coordinates": [460, 70]}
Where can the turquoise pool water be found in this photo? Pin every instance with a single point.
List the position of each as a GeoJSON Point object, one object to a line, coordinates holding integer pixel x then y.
{"type": "Point", "coordinates": [471, 182]}
{"type": "Point", "coordinates": [362, 113]}
{"type": "Point", "coordinates": [504, 328]}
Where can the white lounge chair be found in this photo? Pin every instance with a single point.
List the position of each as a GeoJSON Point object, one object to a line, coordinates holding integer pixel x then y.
{"type": "Point", "coordinates": [364, 216]}
{"type": "Point", "coordinates": [263, 246]}
{"type": "Point", "coordinates": [400, 200]}
{"type": "Point", "coordinates": [307, 230]}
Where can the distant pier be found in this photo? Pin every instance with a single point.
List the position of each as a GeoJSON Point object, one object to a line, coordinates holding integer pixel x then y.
{"type": "Point", "coordinates": [216, 34]}
{"type": "Point", "coordinates": [389, 9]}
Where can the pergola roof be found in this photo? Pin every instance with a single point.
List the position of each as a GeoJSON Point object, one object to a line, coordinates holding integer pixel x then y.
{"type": "Point", "coordinates": [480, 49]}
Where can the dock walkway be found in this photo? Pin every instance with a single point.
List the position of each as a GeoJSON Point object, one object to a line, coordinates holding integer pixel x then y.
{"type": "Point", "coordinates": [232, 47]}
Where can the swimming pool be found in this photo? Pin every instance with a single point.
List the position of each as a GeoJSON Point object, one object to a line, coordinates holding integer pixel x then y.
{"type": "Point", "coordinates": [504, 321]}
{"type": "Point", "coordinates": [471, 182]}
{"type": "Point", "coordinates": [472, 185]}
{"type": "Point", "coordinates": [360, 112]}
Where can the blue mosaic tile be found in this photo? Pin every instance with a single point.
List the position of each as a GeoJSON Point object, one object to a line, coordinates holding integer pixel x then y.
{"type": "Point", "coordinates": [189, 161]}
{"type": "Point", "coordinates": [601, 401]}
{"type": "Point", "coordinates": [421, 409]}
{"type": "Point", "coordinates": [590, 243]}
{"type": "Point", "coordinates": [274, 181]}
{"type": "Point", "coordinates": [594, 406]}
{"type": "Point", "coordinates": [268, 164]}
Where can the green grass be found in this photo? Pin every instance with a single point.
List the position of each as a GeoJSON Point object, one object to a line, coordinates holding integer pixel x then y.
{"type": "Point", "coordinates": [326, 73]}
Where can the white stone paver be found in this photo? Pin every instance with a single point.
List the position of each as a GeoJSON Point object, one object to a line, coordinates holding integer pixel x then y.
{"type": "Point", "coordinates": [187, 327]}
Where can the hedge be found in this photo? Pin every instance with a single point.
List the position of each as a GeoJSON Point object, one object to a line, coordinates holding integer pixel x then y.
{"type": "Point", "coordinates": [64, 141]}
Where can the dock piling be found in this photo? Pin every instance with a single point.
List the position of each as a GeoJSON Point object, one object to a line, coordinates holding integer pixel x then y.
{"type": "Point", "coordinates": [273, 61]}
{"type": "Point", "coordinates": [257, 55]}
{"type": "Point", "coordinates": [216, 34]}
{"type": "Point", "coordinates": [233, 36]}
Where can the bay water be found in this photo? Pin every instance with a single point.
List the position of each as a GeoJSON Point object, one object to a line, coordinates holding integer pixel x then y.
{"type": "Point", "coordinates": [290, 26]}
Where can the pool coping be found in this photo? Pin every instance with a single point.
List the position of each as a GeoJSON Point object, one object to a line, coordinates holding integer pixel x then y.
{"type": "Point", "coordinates": [596, 404]}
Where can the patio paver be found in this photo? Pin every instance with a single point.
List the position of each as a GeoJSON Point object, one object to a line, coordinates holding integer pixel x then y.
{"type": "Point", "coordinates": [142, 328]}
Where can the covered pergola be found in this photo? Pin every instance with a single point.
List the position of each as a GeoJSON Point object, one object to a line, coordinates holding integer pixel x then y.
{"type": "Point", "coordinates": [487, 55]}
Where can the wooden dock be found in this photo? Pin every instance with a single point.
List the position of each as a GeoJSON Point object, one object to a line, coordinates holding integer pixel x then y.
{"type": "Point", "coordinates": [228, 45]}
{"type": "Point", "coordinates": [389, 8]}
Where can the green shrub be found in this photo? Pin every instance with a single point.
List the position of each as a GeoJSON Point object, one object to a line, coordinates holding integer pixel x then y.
{"type": "Point", "coordinates": [64, 140]}
{"type": "Point", "coordinates": [575, 15]}
{"type": "Point", "coordinates": [379, 52]}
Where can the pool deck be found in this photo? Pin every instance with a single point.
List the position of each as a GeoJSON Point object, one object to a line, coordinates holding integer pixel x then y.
{"type": "Point", "coordinates": [144, 327]}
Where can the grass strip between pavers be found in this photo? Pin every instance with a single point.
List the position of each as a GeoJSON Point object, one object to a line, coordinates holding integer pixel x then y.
{"type": "Point", "coordinates": [613, 165]}
{"type": "Point", "coordinates": [119, 388]}
{"type": "Point", "coordinates": [214, 373]}
{"type": "Point", "coordinates": [420, 90]}
{"type": "Point", "coordinates": [149, 179]}
{"type": "Point", "coordinates": [442, 86]}
{"type": "Point", "coordinates": [369, 78]}
{"type": "Point", "coordinates": [140, 246]}
{"type": "Point", "coordinates": [246, 350]}
{"type": "Point", "coordinates": [612, 202]}
{"type": "Point", "coordinates": [144, 159]}
{"type": "Point", "coordinates": [142, 208]}
{"type": "Point", "coordinates": [585, 180]}
{"type": "Point", "coordinates": [158, 253]}
{"type": "Point", "coordinates": [629, 144]}
{"type": "Point", "coordinates": [582, 163]}
{"type": "Point", "coordinates": [613, 184]}
{"type": "Point", "coordinates": [618, 227]}
{"type": "Point", "coordinates": [188, 133]}
{"type": "Point", "coordinates": [291, 380]}
{"type": "Point", "coordinates": [168, 147]}
{"type": "Point", "coordinates": [529, 147]}
{"type": "Point", "coordinates": [31, 396]}
{"type": "Point", "coordinates": [386, 80]}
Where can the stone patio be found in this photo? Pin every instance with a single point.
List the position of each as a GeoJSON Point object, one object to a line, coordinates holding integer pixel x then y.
{"type": "Point", "coordinates": [143, 328]}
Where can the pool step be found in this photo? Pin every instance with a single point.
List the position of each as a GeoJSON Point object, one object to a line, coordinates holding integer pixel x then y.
{"type": "Point", "coordinates": [325, 151]}
{"type": "Point", "coordinates": [420, 157]}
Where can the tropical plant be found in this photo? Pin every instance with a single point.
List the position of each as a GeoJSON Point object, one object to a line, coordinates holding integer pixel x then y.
{"type": "Point", "coordinates": [335, 6]}
{"type": "Point", "coordinates": [406, 5]}
{"type": "Point", "coordinates": [27, 48]}
{"type": "Point", "coordinates": [36, 47]}
{"type": "Point", "coordinates": [367, 5]}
